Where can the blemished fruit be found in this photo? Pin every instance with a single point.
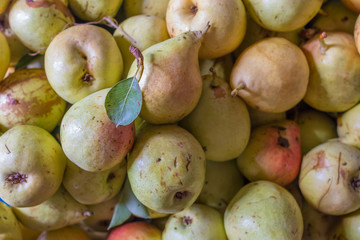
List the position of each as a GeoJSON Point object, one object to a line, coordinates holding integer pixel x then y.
{"type": "Point", "coordinates": [135, 231]}
{"type": "Point", "coordinates": [263, 210]}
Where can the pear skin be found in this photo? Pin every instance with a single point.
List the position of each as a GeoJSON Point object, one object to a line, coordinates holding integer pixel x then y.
{"type": "Point", "coordinates": [9, 225]}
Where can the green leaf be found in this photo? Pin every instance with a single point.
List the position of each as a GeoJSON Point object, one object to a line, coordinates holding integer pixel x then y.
{"type": "Point", "coordinates": [133, 204]}
{"type": "Point", "coordinates": [121, 213]}
{"type": "Point", "coordinates": [123, 102]}
{"type": "Point", "coordinates": [25, 60]}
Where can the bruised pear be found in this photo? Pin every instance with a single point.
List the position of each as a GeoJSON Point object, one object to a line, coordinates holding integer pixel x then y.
{"type": "Point", "coordinates": [32, 165]}
{"type": "Point", "coordinates": [166, 168]}
{"type": "Point", "coordinates": [9, 225]}
{"type": "Point", "coordinates": [219, 122]}
{"type": "Point", "coordinates": [263, 210]}
{"type": "Point", "coordinates": [330, 178]}
{"type": "Point", "coordinates": [196, 222]}
{"type": "Point", "coordinates": [273, 153]}
{"type": "Point", "coordinates": [59, 211]}
{"type": "Point", "coordinates": [37, 22]}
{"type": "Point", "coordinates": [86, 126]}
{"type": "Point", "coordinates": [271, 75]}
{"type": "Point", "coordinates": [334, 72]}
{"type": "Point", "coordinates": [170, 81]}
{"type": "Point", "coordinates": [348, 127]}
{"type": "Point", "coordinates": [92, 188]}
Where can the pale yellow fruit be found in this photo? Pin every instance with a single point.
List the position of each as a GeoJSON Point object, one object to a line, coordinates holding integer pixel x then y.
{"type": "Point", "coordinates": [9, 225]}
{"type": "Point", "coordinates": [37, 22]}
{"type": "Point", "coordinates": [4, 56]}
{"type": "Point", "coordinates": [227, 18]}
{"type": "Point", "coordinates": [82, 60]}
{"type": "Point", "coordinates": [151, 7]}
{"type": "Point", "coordinates": [94, 10]}
{"type": "Point", "coordinates": [144, 31]}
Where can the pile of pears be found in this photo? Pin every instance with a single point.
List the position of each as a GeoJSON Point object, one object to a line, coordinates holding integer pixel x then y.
{"type": "Point", "coordinates": [249, 126]}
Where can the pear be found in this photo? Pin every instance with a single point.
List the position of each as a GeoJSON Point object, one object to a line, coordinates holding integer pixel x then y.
{"type": "Point", "coordinates": [196, 222]}
{"type": "Point", "coordinates": [330, 178]}
{"type": "Point", "coordinates": [86, 126]}
{"type": "Point", "coordinates": [263, 210]}
{"type": "Point", "coordinates": [69, 233]}
{"type": "Point", "coordinates": [4, 56]}
{"type": "Point", "coordinates": [315, 128]}
{"type": "Point", "coordinates": [59, 211]}
{"type": "Point", "coordinates": [9, 225]}
{"type": "Point", "coordinates": [3, 5]}
{"type": "Point", "coordinates": [334, 72]}
{"type": "Point", "coordinates": [29, 99]}
{"type": "Point", "coordinates": [93, 188]}
{"type": "Point", "coordinates": [258, 118]}
{"type": "Point", "coordinates": [37, 22]}
{"type": "Point", "coordinates": [93, 10]}
{"type": "Point", "coordinates": [137, 230]}
{"type": "Point", "coordinates": [149, 7]}
{"type": "Point", "coordinates": [222, 181]}
{"type": "Point", "coordinates": [347, 126]}
{"type": "Point", "coordinates": [348, 227]}
{"type": "Point", "coordinates": [220, 122]}
{"type": "Point", "coordinates": [271, 75]}
{"type": "Point", "coordinates": [166, 168]}
{"type": "Point", "coordinates": [221, 66]}
{"type": "Point", "coordinates": [144, 31]}
{"type": "Point", "coordinates": [170, 81]}
{"type": "Point", "coordinates": [32, 166]}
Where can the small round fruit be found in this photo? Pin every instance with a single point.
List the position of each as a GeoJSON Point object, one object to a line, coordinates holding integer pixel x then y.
{"type": "Point", "coordinates": [135, 231]}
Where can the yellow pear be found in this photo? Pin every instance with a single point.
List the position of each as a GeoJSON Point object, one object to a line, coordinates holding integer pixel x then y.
{"type": "Point", "coordinates": [9, 225]}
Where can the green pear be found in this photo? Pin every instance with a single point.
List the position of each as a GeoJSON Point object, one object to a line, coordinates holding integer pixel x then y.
{"type": "Point", "coordinates": [82, 60]}
{"type": "Point", "coordinates": [315, 128]}
{"type": "Point", "coordinates": [59, 211]}
{"type": "Point", "coordinates": [258, 118]}
{"type": "Point", "coordinates": [263, 210]}
{"type": "Point", "coordinates": [347, 126]}
{"type": "Point", "coordinates": [222, 181]}
{"type": "Point", "coordinates": [221, 66]}
{"type": "Point", "coordinates": [32, 165]}
{"type": "Point", "coordinates": [86, 126]}
{"type": "Point", "coordinates": [166, 168]}
{"type": "Point", "coordinates": [144, 30]}
{"type": "Point", "coordinates": [9, 225]}
{"type": "Point", "coordinates": [29, 99]}
{"type": "Point", "coordinates": [93, 188]}
{"type": "Point", "coordinates": [4, 56]}
{"type": "Point", "coordinates": [150, 7]}
{"type": "Point", "coordinates": [37, 22]}
{"type": "Point", "coordinates": [330, 178]}
{"type": "Point", "coordinates": [196, 222]}
{"type": "Point", "coordinates": [170, 81]}
{"type": "Point", "coordinates": [220, 122]}
{"type": "Point", "coordinates": [94, 10]}
{"type": "Point", "coordinates": [333, 61]}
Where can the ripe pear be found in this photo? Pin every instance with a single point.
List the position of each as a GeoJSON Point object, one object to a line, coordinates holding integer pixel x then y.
{"type": "Point", "coordinates": [258, 118]}
{"type": "Point", "coordinates": [166, 168]}
{"type": "Point", "coordinates": [170, 81]}
{"type": "Point", "coordinates": [144, 30]}
{"type": "Point", "coordinates": [9, 225]}
{"type": "Point", "coordinates": [93, 10]}
{"type": "Point", "coordinates": [32, 165]}
{"type": "Point", "coordinates": [69, 233]}
{"type": "Point", "coordinates": [196, 222]}
{"type": "Point", "coordinates": [82, 60]}
{"type": "Point", "coordinates": [334, 72]}
{"type": "Point", "coordinates": [59, 211]}
{"type": "Point", "coordinates": [227, 17]}
{"type": "Point", "coordinates": [271, 75]}
{"type": "Point", "coordinates": [329, 178]}
{"type": "Point", "coordinates": [220, 123]}
{"type": "Point", "coordinates": [315, 128]}
{"type": "Point", "coordinates": [86, 126]}
{"type": "Point", "coordinates": [222, 181]}
{"type": "Point", "coordinates": [151, 7]}
{"type": "Point", "coordinates": [347, 126]}
{"type": "Point", "coordinates": [335, 17]}
{"type": "Point", "coordinates": [29, 99]}
{"type": "Point", "coordinates": [37, 22]}
{"type": "Point", "coordinates": [263, 210]}
{"type": "Point", "coordinates": [282, 15]}
{"type": "Point", "coordinates": [4, 56]}
{"type": "Point", "coordinates": [273, 153]}
{"type": "Point", "coordinates": [93, 188]}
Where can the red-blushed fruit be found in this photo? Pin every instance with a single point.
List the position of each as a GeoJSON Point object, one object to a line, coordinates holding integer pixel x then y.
{"type": "Point", "coordinates": [135, 231]}
{"type": "Point", "coordinates": [273, 153]}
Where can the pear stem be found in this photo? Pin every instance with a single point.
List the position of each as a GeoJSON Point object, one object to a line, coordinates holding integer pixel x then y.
{"type": "Point", "coordinates": [206, 28]}
{"type": "Point", "coordinates": [238, 88]}
{"type": "Point", "coordinates": [139, 60]}
{"type": "Point", "coordinates": [324, 46]}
